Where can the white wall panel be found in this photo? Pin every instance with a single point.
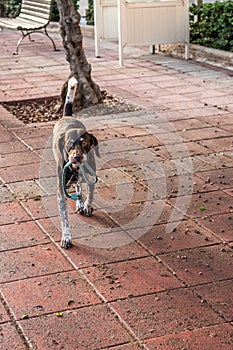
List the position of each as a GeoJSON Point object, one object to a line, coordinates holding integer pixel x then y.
{"type": "Point", "coordinates": [137, 22]}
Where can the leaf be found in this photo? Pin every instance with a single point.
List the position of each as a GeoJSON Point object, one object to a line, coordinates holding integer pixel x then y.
{"type": "Point", "coordinates": [59, 314]}
{"type": "Point", "coordinates": [24, 316]}
{"type": "Point", "coordinates": [202, 208]}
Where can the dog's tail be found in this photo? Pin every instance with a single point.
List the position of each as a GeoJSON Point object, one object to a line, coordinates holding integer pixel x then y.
{"type": "Point", "coordinates": [71, 89]}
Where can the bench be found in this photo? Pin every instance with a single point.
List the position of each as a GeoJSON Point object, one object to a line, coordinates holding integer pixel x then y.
{"type": "Point", "coordinates": [34, 17]}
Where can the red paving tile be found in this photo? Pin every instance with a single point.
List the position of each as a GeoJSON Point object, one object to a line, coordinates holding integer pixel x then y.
{"type": "Point", "coordinates": [196, 149]}
{"type": "Point", "coordinates": [10, 338]}
{"type": "Point", "coordinates": [184, 184]}
{"type": "Point", "coordinates": [189, 124]}
{"type": "Point", "coordinates": [186, 235]}
{"type": "Point", "coordinates": [118, 280]}
{"type": "Point", "coordinates": [34, 131]}
{"type": "Point", "coordinates": [28, 189]}
{"type": "Point", "coordinates": [30, 262]}
{"type": "Point", "coordinates": [94, 327]}
{"type": "Point", "coordinates": [86, 256]}
{"type": "Point", "coordinates": [199, 165]}
{"type": "Point", "coordinates": [112, 197]}
{"type": "Point", "coordinates": [204, 133]}
{"type": "Point", "coordinates": [5, 194]}
{"type": "Point", "coordinates": [20, 158]}
{"type": "Point", "coordinates": [108, 239]}
{"type": "Point", "coordinates": [13, 146]}
{"type": "Point", "coordinates": [21, 172]}
{"type": "Point", "coordinates": [208, 203]}
{"type": "Point", "coordinates": [201, 265]}
{"type": "Point", "coordinates": [12, 213]}
{"type": "Point", "coordinates": [218, 294]}
{"type": "Point", "coordinates": [148, 140]}
{"type": "Point", "coordinates": [4, 317]}
{"type": "Point", "coordinates": [5, 136]}
{"type": "Point", "coordinates": [114, 247]}
{"type": "Point", "coordinates": [207, 338]}
{"type": "Point", "coordinates": [7, 120]}
{"type": "Point", "coordinates": [42, 207]}
{"type": "Point", "coordinates": [222, 178]}
{"type": "Point", "coordinates": [38, 143]}
{"type": "Point", "coordinates": [81, 226]}
{"type": "Point", "coordinates": [141, 214]}
{"type": "Point", "coordinates": [222, 144]}
{"type": "Point", "coordinates": [21, 235]}
{"type": "Point", "coordinates": [220, 225]}
{"type": "Point", "coordinates": [104, 133]}
{"type": "Point", "coordinates": [164, 313]}
{"type": "Point", "coordinates": [48, 294]}
{"type": "Point", "coordinates": [216, 160]}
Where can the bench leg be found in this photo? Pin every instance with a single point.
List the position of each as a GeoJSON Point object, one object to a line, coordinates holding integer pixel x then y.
{"type": "Point", "coordinates": [19, 41]}
{"type": "Point", "coordinates": [29, 35]}
{"type": "Point", "coordinates": [47, 34]}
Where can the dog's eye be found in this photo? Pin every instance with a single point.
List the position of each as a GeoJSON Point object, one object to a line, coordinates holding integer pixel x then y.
{"type": "Point", "coordinates": [84, 143]}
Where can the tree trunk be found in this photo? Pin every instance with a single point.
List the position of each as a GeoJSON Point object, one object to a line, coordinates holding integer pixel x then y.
{"type": "Point", "coordinates": [88, 92]}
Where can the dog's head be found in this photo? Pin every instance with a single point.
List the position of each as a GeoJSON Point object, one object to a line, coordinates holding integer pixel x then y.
{"type": "Point", "coordinates": [79, 144]}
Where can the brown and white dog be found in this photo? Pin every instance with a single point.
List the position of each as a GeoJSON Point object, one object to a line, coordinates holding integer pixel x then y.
{"type": "Point", "coordinates": [72, 143]}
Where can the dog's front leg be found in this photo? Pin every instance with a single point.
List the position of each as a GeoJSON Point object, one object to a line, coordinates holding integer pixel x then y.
{"type": "Point", "coordinates": [66, 233]}
{"type": "Point", "coordinates": [62, 205]}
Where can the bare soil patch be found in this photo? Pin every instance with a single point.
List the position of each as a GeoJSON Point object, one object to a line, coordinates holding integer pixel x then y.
{"type": "Point", "coordinates": [47, 109]}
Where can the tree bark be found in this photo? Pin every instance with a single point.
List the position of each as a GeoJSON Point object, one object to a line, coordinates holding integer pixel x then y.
{"type": "Point", "coordinates": [88, 92]}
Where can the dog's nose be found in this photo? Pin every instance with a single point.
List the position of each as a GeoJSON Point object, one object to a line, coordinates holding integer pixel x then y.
{"type": "Point", "coordinates": [78, 158]}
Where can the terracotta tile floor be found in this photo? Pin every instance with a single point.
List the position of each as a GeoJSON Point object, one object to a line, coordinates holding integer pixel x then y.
{"type": "Point", "coordinates": [153, 267]}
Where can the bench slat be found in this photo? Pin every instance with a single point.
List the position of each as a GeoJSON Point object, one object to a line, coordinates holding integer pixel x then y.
{"type": "Point", "coordinates": [14, 23]}
{"type": "Point", "coordinates": [34, 18]}
{"type": "Point", "coordinates": [34, 9]}
{"type": "Point", "coordinates": [36, 3]}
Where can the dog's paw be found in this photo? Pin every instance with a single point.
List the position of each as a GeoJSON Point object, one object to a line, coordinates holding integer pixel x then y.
{"type": "Point", "coordinates": [80, 211]}
{"type": "Point", "coordinates": [66, 242]}
{"type": "Point", "coordinates": [80, 207]}
{"type": "Point", "coordinates": [87, 211]}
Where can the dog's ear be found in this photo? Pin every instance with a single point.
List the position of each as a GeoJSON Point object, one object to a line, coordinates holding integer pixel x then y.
{"type": "Point", "coordinates": [69, 146]}
{"type": "Point", "coordinates": [94, 144]}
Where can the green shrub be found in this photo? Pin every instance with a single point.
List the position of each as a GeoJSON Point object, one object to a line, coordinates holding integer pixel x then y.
{"type": "Point", "coordinates": [10, 8]}
{"type": "Point", "coordinates": [90, 13]}
{"type": "Point", "coordinates": [214, 25]}
{"type": "Point", "coordinates": [55, 12]}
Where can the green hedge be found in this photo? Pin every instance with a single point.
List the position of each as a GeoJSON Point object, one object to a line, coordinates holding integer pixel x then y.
{"type": "Point", "coordinates": [10, 8]}
{"type": "Point", "coordinates": [214, 25]}
{"type": "Point", "coordinates": [90, 13]}
{"type": "Point", "coordinates": [55, 12]}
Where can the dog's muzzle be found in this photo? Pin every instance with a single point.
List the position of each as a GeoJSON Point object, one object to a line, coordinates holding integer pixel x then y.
{"type": "Point", "coordinates": [77, 158]}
